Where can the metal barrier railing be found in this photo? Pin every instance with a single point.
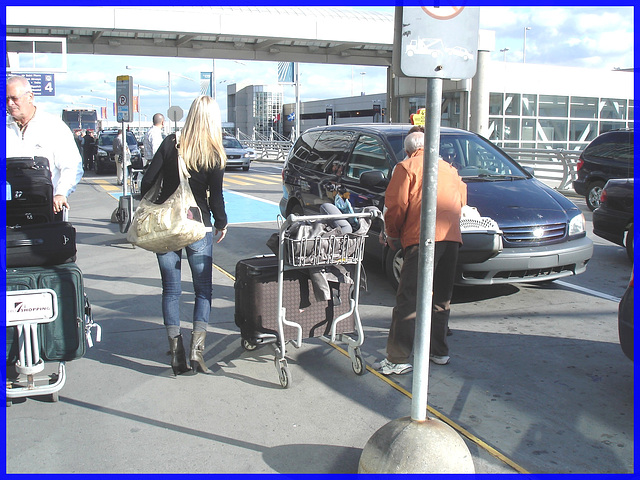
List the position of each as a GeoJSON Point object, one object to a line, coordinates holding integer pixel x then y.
{"type": "Point", "coordinates": [269, 149]}
{"type": "Point", "coordinates": [549, 165]}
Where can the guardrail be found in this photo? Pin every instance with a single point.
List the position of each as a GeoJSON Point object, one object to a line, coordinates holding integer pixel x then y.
{"type": "Point", "coordinates": [556, 167]}
{"type": "Point", "coordinates": [269, 149]}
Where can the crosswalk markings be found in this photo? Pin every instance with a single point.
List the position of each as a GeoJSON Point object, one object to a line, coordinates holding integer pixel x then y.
{"type": "Point", "coordinates": [229, 179]}
{"type": "Point", "coordinates": [263, 179]}
{"type": "Point", "coordinates": [235, 181]}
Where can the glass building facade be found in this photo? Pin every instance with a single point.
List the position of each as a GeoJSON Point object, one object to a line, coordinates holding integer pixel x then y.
{"type": "Point", "coordinates": [529, 120]}
{"type": "Point", "coordinates": [267, 109]}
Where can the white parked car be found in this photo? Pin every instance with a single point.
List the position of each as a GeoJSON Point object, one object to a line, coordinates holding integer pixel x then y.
{"type": "Point", "coordinates": [237, 155]}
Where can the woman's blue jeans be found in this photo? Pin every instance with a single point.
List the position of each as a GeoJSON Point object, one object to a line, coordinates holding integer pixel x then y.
{"type": "Point", "coordinates": [200, 258]}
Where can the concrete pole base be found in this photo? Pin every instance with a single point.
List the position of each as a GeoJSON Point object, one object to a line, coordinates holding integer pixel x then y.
{"type": "Point", "coordinates": [408, 446]}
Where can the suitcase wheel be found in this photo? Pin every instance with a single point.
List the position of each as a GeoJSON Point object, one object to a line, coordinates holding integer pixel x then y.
{"type": "Point", "coordinates": [247, 345]}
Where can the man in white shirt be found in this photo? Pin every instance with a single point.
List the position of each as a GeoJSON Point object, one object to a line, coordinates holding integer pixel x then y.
{"type": "Point", "coordinates": [153, 138]}
{"type": "Point", "coordinates": [32, 132]}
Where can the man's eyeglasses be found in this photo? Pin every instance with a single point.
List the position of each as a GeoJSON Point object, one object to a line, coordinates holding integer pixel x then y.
{"type": "Point", "coordinates": [15, 99]}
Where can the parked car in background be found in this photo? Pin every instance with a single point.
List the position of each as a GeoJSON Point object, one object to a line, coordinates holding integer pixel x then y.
{"type": "Point", "coordinates": [610, 155]}
{"type": "Point", "coordinates": [625, 320]}
{"type": "Point", "coordinates": [544, 233]}
{"type": "Point", "coordinates": [237, 155]}
{"type": "Point", "coordinates": [105, 161]}
{"type": "Point", "coordinates": [613, 219]}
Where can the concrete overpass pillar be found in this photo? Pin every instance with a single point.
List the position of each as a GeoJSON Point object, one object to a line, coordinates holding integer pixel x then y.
{"type": "Point", "coordinates": [479, 108]}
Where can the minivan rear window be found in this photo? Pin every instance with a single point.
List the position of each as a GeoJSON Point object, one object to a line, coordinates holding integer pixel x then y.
{"type": "Point", "coordinates": [612, 146]}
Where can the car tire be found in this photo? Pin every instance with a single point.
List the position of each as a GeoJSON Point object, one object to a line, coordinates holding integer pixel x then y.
{"type": "Point", "coordinates": [593, 194]}
{"type": "Point", "coordinates": [246, 169]}
{"type": "Point", "coordinates": [392, 266]}
{"type": "Point", "coordinates": [296, 209]}
{"type": "Point", "coordinates": [629, 243]}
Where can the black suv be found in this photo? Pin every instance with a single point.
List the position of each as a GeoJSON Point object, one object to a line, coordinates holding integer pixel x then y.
{"type": "Point", "coordinates": [613, 219]}
{"type": "Point", "coordinates": [610, 155]}
{"type": "Point", "coordinates": [105, 160]}
{"type": "Point", "coordinates": [544, 233]}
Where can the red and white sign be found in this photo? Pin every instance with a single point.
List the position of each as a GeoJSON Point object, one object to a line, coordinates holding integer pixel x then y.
{"type": "Point", "coordinates": [442, 13]}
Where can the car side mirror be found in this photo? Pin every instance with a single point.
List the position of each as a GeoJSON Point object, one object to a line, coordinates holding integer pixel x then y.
{"type": "Point", "coordinates": [373, 178]}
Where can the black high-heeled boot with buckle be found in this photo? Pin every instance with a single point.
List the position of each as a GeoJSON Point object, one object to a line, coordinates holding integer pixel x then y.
{"type": "Point", "coordinates": [178, 355]}
{"type": "Point", "coordinates": [197, 347]}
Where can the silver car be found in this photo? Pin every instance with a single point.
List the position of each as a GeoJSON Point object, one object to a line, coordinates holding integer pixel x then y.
{"type": "Point", "coordinates": [237, 155]}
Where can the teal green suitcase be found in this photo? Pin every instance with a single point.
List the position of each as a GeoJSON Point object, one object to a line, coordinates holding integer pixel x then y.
{"type": "Point", "coordinates": [64, 338]}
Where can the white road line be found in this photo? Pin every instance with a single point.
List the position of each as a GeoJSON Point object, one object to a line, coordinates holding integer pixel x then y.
{"type": "Point", "coordinates": [595, 293]}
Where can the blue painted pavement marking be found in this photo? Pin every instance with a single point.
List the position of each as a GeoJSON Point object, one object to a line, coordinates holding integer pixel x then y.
{"type": "Point", "coordinates": [242, 208]}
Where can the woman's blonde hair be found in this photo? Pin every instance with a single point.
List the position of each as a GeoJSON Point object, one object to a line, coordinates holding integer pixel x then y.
{"type": "Point", "coordinates": [200, 142]}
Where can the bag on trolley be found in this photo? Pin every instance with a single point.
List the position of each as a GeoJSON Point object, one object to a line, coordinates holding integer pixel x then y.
{"type": "Point", "coordinates": [64, 338]}
{"type": "Point", "coordinates": [29, 191]}
{"type": "Point", "coordinates": [256, 301]}
{"type": "Point", "coordinates": [41, 244]}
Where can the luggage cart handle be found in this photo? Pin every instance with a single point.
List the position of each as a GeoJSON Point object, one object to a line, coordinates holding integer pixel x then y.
{"type": "Point", "coordinates": [292, 218]}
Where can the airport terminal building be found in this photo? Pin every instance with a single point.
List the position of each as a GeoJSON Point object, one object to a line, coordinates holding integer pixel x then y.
{"type": "Point", "coordinates": [525, 105]}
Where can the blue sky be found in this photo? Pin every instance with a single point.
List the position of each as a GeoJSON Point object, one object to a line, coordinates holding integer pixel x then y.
{"type": "Point", "coordinates": [571, 36]}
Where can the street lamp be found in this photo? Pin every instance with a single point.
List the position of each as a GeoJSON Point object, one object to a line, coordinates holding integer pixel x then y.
{"type": "Point", "coordinates": [168, 84]}
{"type": "Point", "coordinates": [524, 45]}
{"type": "Point", "coordinates": [362, 74]}
{"type": "Point", "coordinates": [504, 51]}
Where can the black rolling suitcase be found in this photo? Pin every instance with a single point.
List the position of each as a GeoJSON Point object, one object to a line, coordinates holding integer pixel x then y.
{"type": "Point", "coordinates": [64, 338]}
{"type": "Point", "coordinates": [30, 199]}
{"type": "Point", "coordinates": [41, 244]}
{"type": "Point", "coordinates": [256, 302]}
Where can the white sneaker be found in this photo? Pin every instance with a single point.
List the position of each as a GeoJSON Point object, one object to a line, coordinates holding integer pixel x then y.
{"type": "Point", "coordinates": [385, 367]}
{"type": "Point", "coordinates": [439, 359]}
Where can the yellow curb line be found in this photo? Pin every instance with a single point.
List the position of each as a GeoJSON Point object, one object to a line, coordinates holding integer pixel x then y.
{"type": "Point", "coordinates": [446, 420]}
{"type": "Point", "coordinates": [451, 423]}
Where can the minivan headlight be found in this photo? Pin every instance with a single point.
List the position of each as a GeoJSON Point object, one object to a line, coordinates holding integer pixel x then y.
{"type": "Point", "coordinates": [577, 225]}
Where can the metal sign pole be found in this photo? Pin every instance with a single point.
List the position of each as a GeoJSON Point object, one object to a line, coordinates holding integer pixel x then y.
{"type": "Point", "coordinates": [427, 249]}
{"type": "Point", "coordinates": [298, 118]}
{"type": "Point", "coordinates": [124, 159]}
{"type": "Point", "coordinates": [430, 39]}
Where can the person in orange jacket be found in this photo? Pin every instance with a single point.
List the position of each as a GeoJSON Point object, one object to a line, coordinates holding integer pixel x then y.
{"type": "Point", "coordinates": [403, 204]}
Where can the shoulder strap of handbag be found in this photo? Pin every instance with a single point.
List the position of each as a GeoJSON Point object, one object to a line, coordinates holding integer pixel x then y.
{"type": "Point", "coordinates": [182, 166]}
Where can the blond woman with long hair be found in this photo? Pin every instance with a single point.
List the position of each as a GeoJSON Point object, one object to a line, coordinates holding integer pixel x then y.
{"type": "Point", "coordinates": [200, 145]}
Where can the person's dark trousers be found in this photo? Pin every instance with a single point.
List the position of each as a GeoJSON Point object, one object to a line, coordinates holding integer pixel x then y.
{"type": "Point", "coordinates": [444, 273]}
{"type": "Point", "coordinates": [402, 331]}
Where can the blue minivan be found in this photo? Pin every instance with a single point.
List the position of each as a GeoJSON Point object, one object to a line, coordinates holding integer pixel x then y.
{"type": "Point", "coordinates": [544, 235]}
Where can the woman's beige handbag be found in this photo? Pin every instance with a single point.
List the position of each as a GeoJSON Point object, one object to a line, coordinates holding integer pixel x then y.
{"type": "Point", "coordinates": [169, 226]}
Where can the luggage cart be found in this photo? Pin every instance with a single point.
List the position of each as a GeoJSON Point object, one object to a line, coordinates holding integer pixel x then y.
{"type": "Point", "coordinates": [307, 252]}
{"type": "Point", "coordinates": [42, 307]}
{"type": "Point", "coordinates": [26, 310]}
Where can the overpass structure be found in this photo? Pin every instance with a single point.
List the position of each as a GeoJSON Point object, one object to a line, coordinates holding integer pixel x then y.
{"type": "Point", "coordinates": [294, 34]}
{"type": "Point", "coordinates": [329, 35]}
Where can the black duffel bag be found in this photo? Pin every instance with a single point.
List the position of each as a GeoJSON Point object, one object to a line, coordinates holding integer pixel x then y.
{"type": "Point", "coordinates": [41, 244]}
